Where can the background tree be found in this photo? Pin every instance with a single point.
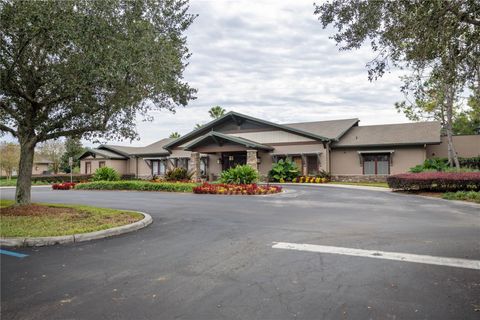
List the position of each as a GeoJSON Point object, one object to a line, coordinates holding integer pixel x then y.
{"type": "Point", "coordinates": [174, 135]}
{"type": "Point", "coordinates": [87, 69]}
{"type": "Point", "coordinates": [74, 149]}
{"type": "Point", "coordinates": [52, 150]}
{"type": "Point", "coordinates": [436, 40]}
{"type": "Point", "coordinates": [216, 112]}
{"type": "Point", "coordinates": [468, 121]}
{"type": "Point", "coordinates": [9, 158]}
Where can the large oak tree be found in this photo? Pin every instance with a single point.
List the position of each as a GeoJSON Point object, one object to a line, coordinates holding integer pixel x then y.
{"type": "Point", "coordinates": [87, 68]}
{"type": "Point", "coordinates": [438, 40]}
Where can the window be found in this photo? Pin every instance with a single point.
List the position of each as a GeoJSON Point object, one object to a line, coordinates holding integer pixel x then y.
{"type": "Point", "coordinates": [101, 164]}
{"type": "Point", "coordinates": [203, 167]}
{"type": "Point", "coordinates": [312, 164]}
{"type": "Point", "coordinates": [158, 167]}
{"type": "Point", "coordinates": [376, 164]}
{"type": "Point", "coordinates": [183, 163]}
{"type": "Point", "coordinates": [88, 167]}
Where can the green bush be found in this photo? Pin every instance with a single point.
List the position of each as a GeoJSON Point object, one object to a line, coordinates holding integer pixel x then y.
{"type": "Point", "coordinates": [239, 175]}
{"type": "Point", "coordinates": [137, 185]}
{"type": "Point", "coordinates": [284, 170]}
{"type": "Point", "coordinates": [178, 174]}
{"type": "Point", "coordinates": [463, 195]}
{"type": "Point", "coordinates": [106, 174]}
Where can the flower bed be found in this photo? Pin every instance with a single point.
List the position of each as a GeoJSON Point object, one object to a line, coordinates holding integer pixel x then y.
{"type": "Point", "coordinates": [246, 189]}
{"type": "Point", "coordinates": [306, 179]}
{"type": "Point", "coordinates": [435, 181]}
{"type": "Point", "coordinates": [64, 186]}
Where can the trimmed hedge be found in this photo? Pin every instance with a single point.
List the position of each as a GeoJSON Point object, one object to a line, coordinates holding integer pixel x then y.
{"type": "Point", "coordinates": [435, 181]}
{"type": "Point", "coordinates": [137, 185]}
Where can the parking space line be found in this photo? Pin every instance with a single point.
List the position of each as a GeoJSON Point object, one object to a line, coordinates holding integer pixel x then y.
{"type": "Point", "coordinates": [398, 256]}
{"type": "Point", "coordinates": [13, 254]}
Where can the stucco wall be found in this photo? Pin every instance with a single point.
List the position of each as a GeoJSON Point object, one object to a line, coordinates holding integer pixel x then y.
{"type": "Point", "coordinates": [347, 161]}
{"type": "Point", "coordinates": [465, 146]}
{"type": "Point", "coordinates": [39, 168]}
{"type": "Point", "coordinates": [119, 165]}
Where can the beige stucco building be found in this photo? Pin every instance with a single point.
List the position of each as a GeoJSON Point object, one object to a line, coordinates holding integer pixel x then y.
{"type": "Point", "coordinates": [341, 147]}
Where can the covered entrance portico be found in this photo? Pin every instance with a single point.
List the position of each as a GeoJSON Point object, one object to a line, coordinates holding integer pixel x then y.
{"type": "Point", "coordinates": [229, 150]}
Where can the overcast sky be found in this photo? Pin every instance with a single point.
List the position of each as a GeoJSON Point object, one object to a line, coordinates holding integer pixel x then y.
{"type": "Point", "coordinates": [272, 59]}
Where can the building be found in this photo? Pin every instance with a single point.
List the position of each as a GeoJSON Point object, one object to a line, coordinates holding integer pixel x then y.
{"type": "Point", "coordinates": [341, 147]}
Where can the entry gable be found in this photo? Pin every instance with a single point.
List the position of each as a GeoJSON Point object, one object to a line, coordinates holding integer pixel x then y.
{"type": "Point", "coordinates": [220, 138]}
{"type": "Point", "coordinates": [234, 121]}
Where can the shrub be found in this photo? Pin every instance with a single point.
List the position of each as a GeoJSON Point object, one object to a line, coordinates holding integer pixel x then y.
{"type": "Point", "coordinates": [105, 174]}
{"type": "Point", "coordinates": [433, 164]}
{"type": "Point", "coordinates": [178, 174]}
{"type": "Point", "coordinates": [239, 175]}
{"type": "Point", "coordinates": [64, 186]}
{"type": "Point", "coordinates": [435, 181]}
{"type": "Point", "coordinates": [284, 170]}
{"type": "Point", "coordinates": [463, 195]}
{"type": "Point", "coordinates": [137, 185]}
{"type": "Point", "coordinates": [233, 189]}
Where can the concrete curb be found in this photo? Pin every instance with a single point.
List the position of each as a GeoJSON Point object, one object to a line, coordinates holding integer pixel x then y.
{"type": "Point", "coordinates": [332, 185]}
{"type": "Point", "coordinates": [80, 237]}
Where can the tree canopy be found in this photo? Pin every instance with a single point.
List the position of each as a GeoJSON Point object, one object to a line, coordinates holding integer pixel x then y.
{"type": "Point", "coordinates": [87, 69]}
{"type": "Point", "coordinates": [216, 112]}
{"type": "Point", "coordinates": [438, 41]}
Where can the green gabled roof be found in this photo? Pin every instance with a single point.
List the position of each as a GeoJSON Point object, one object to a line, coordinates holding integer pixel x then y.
{"type": "Point", "coordinates": [221, 136]}
{"type": "Point", "coordinates": [232, 114]}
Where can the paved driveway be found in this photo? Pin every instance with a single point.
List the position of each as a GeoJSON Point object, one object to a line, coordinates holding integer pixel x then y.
{"type": "Point", "coordinates": [211, 257]}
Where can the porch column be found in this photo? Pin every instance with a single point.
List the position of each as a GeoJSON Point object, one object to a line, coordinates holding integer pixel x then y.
{"type": "Point", "coordinates": [195, 160]}
{"type": "Point", "coordinates": [304, 165]}
{"type": "Point", "coordinates": [252, 159]}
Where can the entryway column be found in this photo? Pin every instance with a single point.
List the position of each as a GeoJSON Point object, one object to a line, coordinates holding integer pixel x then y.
{"type": "Point", "coordinates": [252, 159]}
{"type": "Point", "coordinates": [195, 160]}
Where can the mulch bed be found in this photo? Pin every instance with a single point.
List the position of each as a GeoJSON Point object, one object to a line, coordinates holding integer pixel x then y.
{"type": "Point", "coordinates": [38, 210]}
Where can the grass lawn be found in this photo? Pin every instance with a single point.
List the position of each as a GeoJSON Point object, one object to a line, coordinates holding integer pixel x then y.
{"type": "Point", "coordinates": [13, 182]}
{"type": "Point", "coordinates": [472, 196]}
{"type": "Point", "coordinates": [43, 219]}
{"type": "Point", "coordinates": [367, 184]}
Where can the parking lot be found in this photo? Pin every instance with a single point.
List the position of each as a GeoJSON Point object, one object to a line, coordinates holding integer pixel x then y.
{"type": "Point", "coordinates": [311, 252]}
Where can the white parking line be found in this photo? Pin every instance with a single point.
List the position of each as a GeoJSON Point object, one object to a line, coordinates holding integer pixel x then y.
{"type": "Point", "coordinates": [398, 256]}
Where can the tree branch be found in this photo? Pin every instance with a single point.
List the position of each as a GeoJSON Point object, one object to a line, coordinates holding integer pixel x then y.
{"type": "Point", "coordinates": [4, 128]}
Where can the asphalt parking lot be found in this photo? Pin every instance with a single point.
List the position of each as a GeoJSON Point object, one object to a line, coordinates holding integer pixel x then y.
{"type": "Point", "coordinates": [214, 257]}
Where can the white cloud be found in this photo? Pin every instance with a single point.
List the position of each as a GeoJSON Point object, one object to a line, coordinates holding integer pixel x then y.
{"type": "Point", "coordinates": [273, 60]}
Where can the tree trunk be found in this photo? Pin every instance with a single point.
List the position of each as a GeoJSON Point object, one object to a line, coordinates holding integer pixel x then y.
{"type": "Point", "coordinates": [452, 154]}
{"type": "Point", "coordinates": [24, 179]}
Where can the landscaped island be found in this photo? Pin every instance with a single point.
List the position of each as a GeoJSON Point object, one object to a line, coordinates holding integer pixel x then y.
{"type": "Point", "coordinates": [48, 220]}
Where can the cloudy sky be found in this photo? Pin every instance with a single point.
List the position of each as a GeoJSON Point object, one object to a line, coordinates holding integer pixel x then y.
{"type": "Point", "coordinates": [272, 59]}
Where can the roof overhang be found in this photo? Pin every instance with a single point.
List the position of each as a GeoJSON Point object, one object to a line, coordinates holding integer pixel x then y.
{"type": "Point", "coordinates": [219, 138]}
{"type": "Point", "coordinates": [95, 152]}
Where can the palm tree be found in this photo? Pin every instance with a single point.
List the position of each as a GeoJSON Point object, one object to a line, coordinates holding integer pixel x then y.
{"type": "Point", "coordinates": [216, 112]}
{"type": "Point", "coordinates": [174, 135]}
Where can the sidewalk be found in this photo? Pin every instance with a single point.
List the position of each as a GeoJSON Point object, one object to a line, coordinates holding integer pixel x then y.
{"type": "Point", "coordinates": [41, 186]}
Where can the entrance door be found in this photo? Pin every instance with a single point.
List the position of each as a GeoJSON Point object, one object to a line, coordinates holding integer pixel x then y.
{"type": "Point", "coordinates": [232, 159]}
